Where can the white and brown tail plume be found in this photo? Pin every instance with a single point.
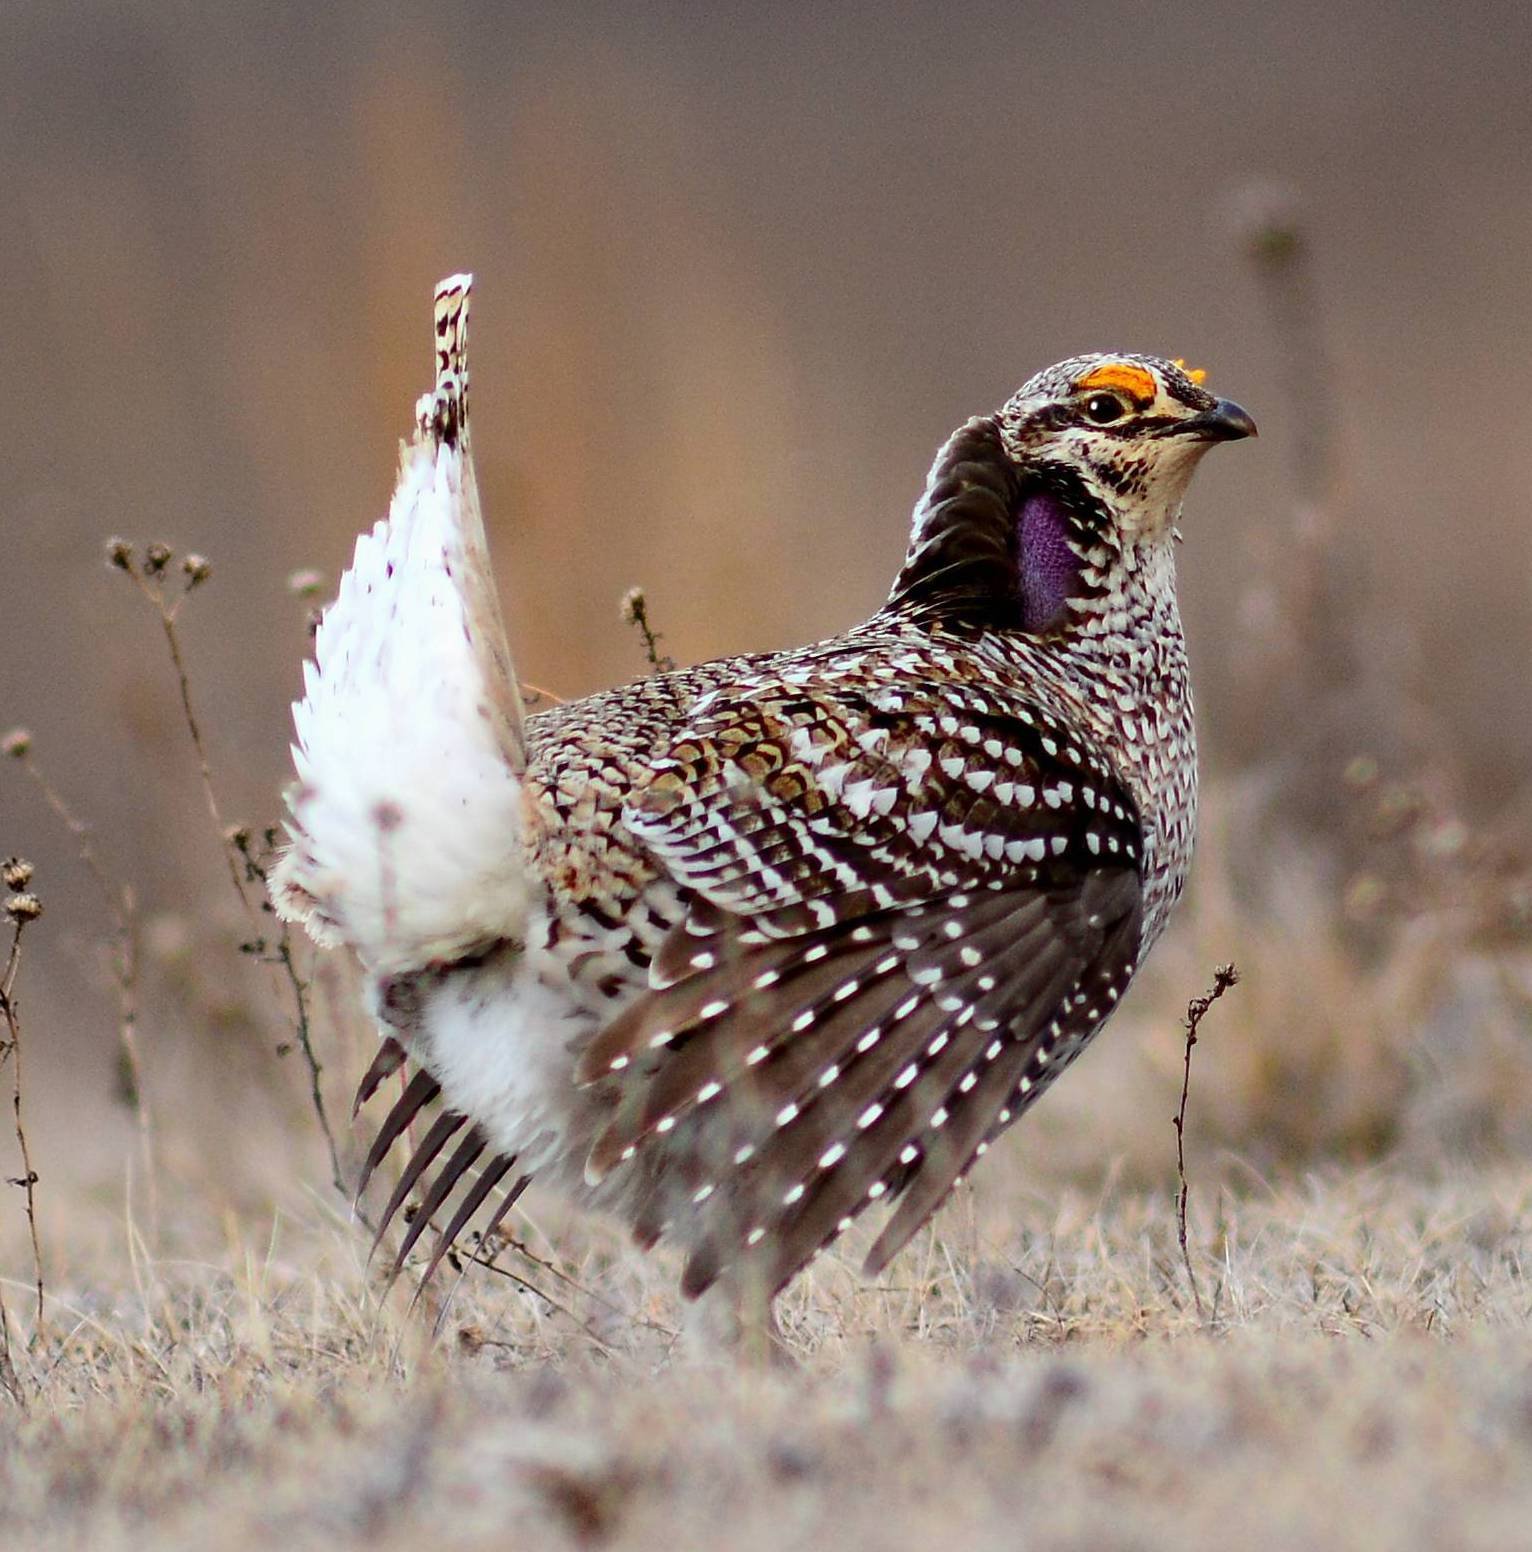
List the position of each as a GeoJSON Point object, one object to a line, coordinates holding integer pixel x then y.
{"type": "Point", "coordinates": [410, 739]}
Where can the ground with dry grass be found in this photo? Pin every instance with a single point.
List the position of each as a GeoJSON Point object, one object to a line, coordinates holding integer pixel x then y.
{"type": "Point", "coordinates": [1034, 1373]}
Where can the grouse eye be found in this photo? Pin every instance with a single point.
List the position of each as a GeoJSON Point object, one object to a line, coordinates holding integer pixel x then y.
{"type": "Point", "coordinates": [1104, 407]}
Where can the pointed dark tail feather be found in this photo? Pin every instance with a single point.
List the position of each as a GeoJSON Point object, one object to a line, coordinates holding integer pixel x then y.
{"type": "Point", "coordinates": [390, 1059]}
{"type": "Point", "coordinates": [442, 1129]}
{"type": "Point", "coordinates": [489, 1177]}
{"type": "Point", "coordinates": [493, 1172]}
{"type": "Point", "coordinates": [441, 1188]}
{"type": "Point", "coordinates": [419, 1093]}
{"type": "Point", "coordinates": [506, 1203]}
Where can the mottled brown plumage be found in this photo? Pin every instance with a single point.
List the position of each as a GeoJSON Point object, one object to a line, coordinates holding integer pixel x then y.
{"type": "Point", "coordinates": [767, 941]}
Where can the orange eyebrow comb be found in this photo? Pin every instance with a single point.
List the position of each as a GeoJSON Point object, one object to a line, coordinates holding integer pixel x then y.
{"type": "Point", "coordinates": [1135, 381]}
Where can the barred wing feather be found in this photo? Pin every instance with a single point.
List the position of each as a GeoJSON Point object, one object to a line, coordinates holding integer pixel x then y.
{"type": "Point", "coordinates": [890, 955]}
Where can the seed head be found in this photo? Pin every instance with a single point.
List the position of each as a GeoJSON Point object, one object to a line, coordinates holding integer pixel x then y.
{"type": "Point", "coordinates": [15, 873]}
{"type": "Point", "coordinates": [157, 557]}
{"type": "Point", "coordinates": [633, 606]}
{"type": "Point", "coordinates": [17, 743]}
{"type": "Point", "coordinates": [23, 908]}
{"type": "Point", "coordinates": [198, 568]}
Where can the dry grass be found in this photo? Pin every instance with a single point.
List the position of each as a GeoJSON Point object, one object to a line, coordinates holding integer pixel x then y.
{"type": "Point", "coordinates": [1033, 1374]}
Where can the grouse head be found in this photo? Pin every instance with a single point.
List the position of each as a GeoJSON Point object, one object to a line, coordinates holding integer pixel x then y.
{"type": "Point", "coordinates": [1038, 509]}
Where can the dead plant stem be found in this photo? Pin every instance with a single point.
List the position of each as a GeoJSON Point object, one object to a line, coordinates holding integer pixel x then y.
{"type": "Point", "coordinates": [210, 796]}
{"type": "Point", "coordinates": [233, 843]}
{"type": "Point", "coordinates": [28, 1180]}
{"type": "Point", "coordinates": [1224, 977]}
{"type": "Point", "coordinates": [122, 909]}
{"type": "Point", "coordinates": [635, 610]}
{"type": "Point", "coordinates": [310, 1059]}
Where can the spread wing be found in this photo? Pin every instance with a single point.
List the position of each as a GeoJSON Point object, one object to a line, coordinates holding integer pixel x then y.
{"type": "Point", "coordinates": [915, 901]}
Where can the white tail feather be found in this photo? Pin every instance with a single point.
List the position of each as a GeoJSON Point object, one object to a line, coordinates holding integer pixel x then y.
{"type": "Point", "coordinates": [410, 737]}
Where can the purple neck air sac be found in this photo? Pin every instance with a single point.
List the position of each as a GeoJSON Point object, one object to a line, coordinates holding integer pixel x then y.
{"type": "Point", "coordinates": [1047, 569]}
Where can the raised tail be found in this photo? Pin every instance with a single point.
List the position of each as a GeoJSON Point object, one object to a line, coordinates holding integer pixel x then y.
{"type": "Point", "coordinates": [405, 817]}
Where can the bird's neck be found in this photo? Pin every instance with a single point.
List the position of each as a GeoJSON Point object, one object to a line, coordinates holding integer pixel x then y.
{"type": "Point", "coordinates": [1124, 657]}
{"type": "Point", "coordinates": [1118, 669]}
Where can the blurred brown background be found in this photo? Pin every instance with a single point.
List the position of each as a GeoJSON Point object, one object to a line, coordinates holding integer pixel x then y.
{"type": "Point", "coordinates": [739, 270]}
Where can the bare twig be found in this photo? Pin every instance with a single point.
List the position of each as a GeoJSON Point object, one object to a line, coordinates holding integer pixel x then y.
{"type": "Point", "coordinates": [1224, 977]}
{"type": "Point", "coordinates": [122, 909]}
{"type": "Point", "coordinates": [485, 1251]}
{"type": "Point", "coordinates": [150, 582]}
{"type": "Point", "coordinates": [510, 1242]}
{"type": "Point", "coordinates": [20, 908]}
{"type": "Point", "coordinates": [486, 1255]}
{"type": "Point", "coordinates": [239, 839]}
{"type": "Point", "coordinates": [489, 1265]}
{"type": "Point", "coordinates": [153, 577]}
{"type": "Point", "coordinates": [635, 612]}
{"type": "Point", "coordinates": [10, 1380]}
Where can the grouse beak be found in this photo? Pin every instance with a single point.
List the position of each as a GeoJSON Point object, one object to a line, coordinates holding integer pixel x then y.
{"type": "Point", "coordinates": [1225, 422]}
